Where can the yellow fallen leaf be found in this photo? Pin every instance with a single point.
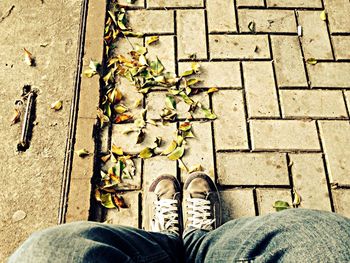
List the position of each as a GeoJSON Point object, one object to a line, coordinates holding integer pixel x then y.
{"type": "Point", "coordinates": [57, 105]}
{"type": "Point", "coordinates": [82, 153]}
{"type": "Point", "coordinates": [120, 108]}
{"type": "Point", "coordinates": [115, 95]}
{"type": "Point", "coordinates": [137, 103]}
{"type": "Point", "coordinates": [185, 126]}
{"type": "Point", "coordinates": [179, 140]}
{"type": "Point", "coordinates": [195, 67]}
{"type": "Point", "coordinates": [107, 200]}
{"type": "Point", "coordinates": [311, 61]}
{"type": "Point", "coordinates": [107, 77]}
{"type": "Point", "coordinates": [28, 57]}
{"type": "Point", "coordinates": [146, 153]}
{"type": "Point", "coordinates": [297, 198]}
{"type": "Point", "coordinates": [105, 158]}
{"type": "Point", "coordinates": [117, 150]}
{"type": "Point", "coordinates": [89, 73]}
{"type": "Point", "coordinates": [122, 117]}
{"type": "Point", "coordinates": [192, 81]}
{"type": "Point", "coordinates": [170, 148]}
{"type": "Point", "coordinates": [187, 73]}
{"type": "Point", "coordinates": [152, 40]}
{"type": "Point", "coordinates": [177, 153]}
{"type": "Point", "coordinates": [212, 90]}
{"type": "Point", "coordinates": [97, 195]}
{"type": "Point", "coordinates": [182, 166]}
{"type": "Point", "coordinates": [323, 15]}
{"type": "Point", "coordinates": [16, 117]}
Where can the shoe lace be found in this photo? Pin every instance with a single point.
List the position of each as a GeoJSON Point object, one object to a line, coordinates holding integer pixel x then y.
{"type": "Point", "coordinates": [166, 216]}
{"type": "Point", "coordinates": [199, 214]}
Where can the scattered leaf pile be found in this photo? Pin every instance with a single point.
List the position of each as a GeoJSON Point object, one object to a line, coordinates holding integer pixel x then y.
{"type": "Point", "coordinates": [144, 74]}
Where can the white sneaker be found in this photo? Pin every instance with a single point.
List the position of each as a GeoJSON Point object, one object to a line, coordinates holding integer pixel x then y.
{"type": "Point", "coordinates": [202, 209]}
{"type": "Point", "coordinates": [164, 202]}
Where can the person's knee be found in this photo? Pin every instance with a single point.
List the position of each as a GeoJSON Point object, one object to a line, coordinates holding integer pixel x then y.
{"type": "Point", "coordinates": [300, 214]}
{"type": "Point", "coordinates": [70, 230]}
{"type": "Point", "coordinates": [51, 240]}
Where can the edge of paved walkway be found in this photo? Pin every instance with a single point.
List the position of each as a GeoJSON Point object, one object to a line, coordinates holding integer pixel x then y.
{"type": "Point", "coordinates": [76, 185]}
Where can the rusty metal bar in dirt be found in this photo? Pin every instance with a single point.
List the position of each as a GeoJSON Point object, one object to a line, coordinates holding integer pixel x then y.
{"type": "Point", "coordinates": [24, 140]}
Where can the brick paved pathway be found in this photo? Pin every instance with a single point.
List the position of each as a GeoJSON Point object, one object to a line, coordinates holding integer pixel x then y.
{"type": "Point", "coordinates": [282, 124]}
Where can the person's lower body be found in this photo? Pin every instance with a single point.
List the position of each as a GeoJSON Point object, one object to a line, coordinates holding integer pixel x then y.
{"type": "Point", "coordinates": [293, 235]}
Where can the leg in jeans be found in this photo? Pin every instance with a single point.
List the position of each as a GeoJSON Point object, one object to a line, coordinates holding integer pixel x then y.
{"type": "Point", "coordinates": [293, 235]}
{"type": "Point", "coordinates": [97, 242]}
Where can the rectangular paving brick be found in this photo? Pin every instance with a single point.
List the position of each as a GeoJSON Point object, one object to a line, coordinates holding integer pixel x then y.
{"type": "Point", "coordinates": [94, 30]}
{"type": "Point", "coordinates": [191, 34]}
{"type": "Point", "coordinates": [313, 103]}
{"type": "Point", "coordinates": [335, 136]}
{"type": "Point", "coordinates": [289, 62]}
{"type": "Point", "coordinates": [164, 50]}
{"type": "Point", "coordinates": [78, 200]}
{"type": "Point", "coordinates": [174, 3]}
{"type": "Point", "coordinates": [260, 89]}
{"type": "Point", "coordinates": [126, 216]}
{"type": "Point", "coordinates": [82, 168]}
{"type": "Point", "coordinates": [307, 172]}
{"type": "Point", "coordinates": [230, 128]}
{"type": "Point", "coordinates": [199, 150]}
{"type": "Point", "coordinates": [151, 21]}
{"type": "Point", "coordinates": [315, 40]}
{"type": "Point", "coordinates": [338, 15]}
{"type": "Point", "coordinates": [267, 197]}
{"type": "Point", "coordinates": [341, 199]}
{"type": "Point", "coordinates": [93, 49]}
{"type": "Point", "coordinates": [216, 74]}
{"type": "Point", "coordinates": [250, 2]}
{"type": "Point", "coordinates": [156, 102]}
{"type": "Point", "coordinates": [341, 45]}
{"type": "Point", "coordinates": [330, 75]}
{"type": "Point", "coordinates": [236, 203]}
{"type": "Point", "coordinates": [239, 46]}
{"type": "Point", "coordinates": [284, 135]}
{"type": "Point", "coordinates": [89, 97]}
{"type": "Point", "coordinates": [226, 11]}
{"type": "Point", "coordinates": [128, 141]}
{"type": "Point", "coordinates": [267, 20]}
{"type": "Point", "coordinates": [294, 3]}
{"type": "Point", "coordinates": [236, 168]}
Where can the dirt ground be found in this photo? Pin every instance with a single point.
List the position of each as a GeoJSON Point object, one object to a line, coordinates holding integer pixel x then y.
{"type": "Point", "coordinates": [31, 181]}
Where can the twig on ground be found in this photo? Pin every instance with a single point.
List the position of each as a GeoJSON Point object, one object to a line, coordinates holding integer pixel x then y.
{"type": "Point", "coordinates": [8, 13]}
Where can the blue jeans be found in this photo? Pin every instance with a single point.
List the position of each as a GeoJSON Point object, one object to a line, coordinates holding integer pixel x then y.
{"type": "Point", "coordinates": [293, 235]}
